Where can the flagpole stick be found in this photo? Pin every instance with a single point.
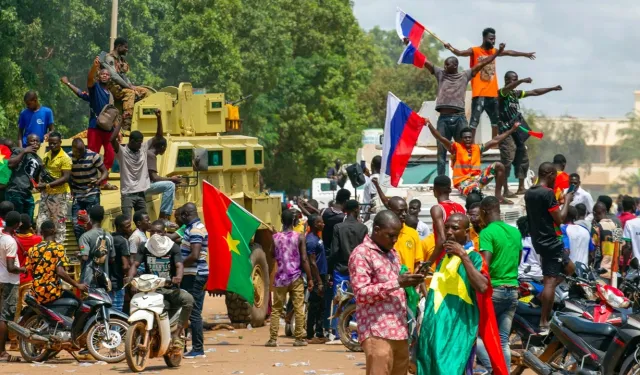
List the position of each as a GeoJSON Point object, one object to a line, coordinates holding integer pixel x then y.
{"type": "Point", "coordinates": [434, 35]}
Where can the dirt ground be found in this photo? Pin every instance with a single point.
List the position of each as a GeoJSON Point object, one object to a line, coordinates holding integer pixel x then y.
{"type": "Point", "coordinates": [240, 351]}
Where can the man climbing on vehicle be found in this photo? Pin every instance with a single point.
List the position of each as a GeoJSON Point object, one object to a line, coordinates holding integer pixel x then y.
{"type": "Point", "coordinates": [466, 157]}
{"type": "Point", "coordinates": [120, 85]}
{"type": "Point", "coordinates": [161, 256]}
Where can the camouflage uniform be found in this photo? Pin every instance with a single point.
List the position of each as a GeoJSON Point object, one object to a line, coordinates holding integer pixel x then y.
{"type": "Point", "coordinates": [54, 207]}
{"type": "Point", "coordinates": [124, 94]}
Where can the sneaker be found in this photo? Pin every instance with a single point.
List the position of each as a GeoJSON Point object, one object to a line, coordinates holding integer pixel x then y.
{"type": "Point", "coordinates": [271, 343]}
{"type": "Point", "coordinates": [300, 342]}
{"type": "Point", "coordinates": [334, 342]}
{"type": "Point", "coordinates": [194, 354]}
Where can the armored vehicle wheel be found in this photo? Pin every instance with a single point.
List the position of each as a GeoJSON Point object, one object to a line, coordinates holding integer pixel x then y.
{"type": "Point", "coordinates": [238, 309]}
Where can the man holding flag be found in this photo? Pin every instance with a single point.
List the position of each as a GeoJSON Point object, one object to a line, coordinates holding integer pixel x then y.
{"type": "Point", "coordinates": [458, 310]}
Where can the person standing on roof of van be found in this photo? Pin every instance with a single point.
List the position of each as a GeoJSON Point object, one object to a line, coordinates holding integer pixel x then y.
{"type": "Point", "coordinates": [441, 212]}
{"type": "Point", "coordinates": [55, 193]}
{"type": "Point", "coordinates": [87, 174]}
{"type": "Point", "coordinates": [120, 85]}
{"type": "Point", "coordinates": [512, 149]}
{"type": "Point", "coordinates": [332, 173]}
{"type": "Point", "coordinates": [452, 88]}
{"type": "Point", "coordinates": [161, 185]}
{"type": "Point", "coordinates": [99, 97]}
{"type": "Point", "coordinates": [34, 119]}
{"type": "Point", "coordinates": [484, 86]}
{"type": "Point", "coordinates": [134, 171]}
{"type": "Point", "coordinates": [468, 176]}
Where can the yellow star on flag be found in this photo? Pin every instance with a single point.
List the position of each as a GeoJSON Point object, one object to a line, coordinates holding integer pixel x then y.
{"type": "Point", "coordinates": [2, 159]}
{"type": "Point", "coordinates": [233, 244]}
{"type": "Point", "coordinates": [448, 281]}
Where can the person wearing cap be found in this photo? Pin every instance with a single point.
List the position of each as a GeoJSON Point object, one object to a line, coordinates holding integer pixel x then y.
{"type": "Point", "coordinates": [161, 256]}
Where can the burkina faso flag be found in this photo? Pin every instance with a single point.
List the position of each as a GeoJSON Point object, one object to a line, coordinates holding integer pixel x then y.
{"type": "Point", "coordinates": [5, 171]}
{"type": "Point", "coordinates": [230, 228]}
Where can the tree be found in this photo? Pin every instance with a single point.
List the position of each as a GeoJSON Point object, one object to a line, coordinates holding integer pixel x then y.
{"type": "Point", "coordinates": [560, 137]}
{"type": "Point", "coordinates": [627, 150]}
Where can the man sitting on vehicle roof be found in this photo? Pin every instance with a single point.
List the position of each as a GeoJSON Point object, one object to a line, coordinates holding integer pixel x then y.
{"type": "Point", "coordinates": [468, 175]}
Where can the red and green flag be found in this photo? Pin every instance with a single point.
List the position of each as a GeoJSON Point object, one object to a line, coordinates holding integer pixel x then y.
{"type": "Point", "coordinates": [231, 229]}
{"type": "Point", "coordinates": [5, 171]}
{"type": "Point", "coordinates": [454, 316]}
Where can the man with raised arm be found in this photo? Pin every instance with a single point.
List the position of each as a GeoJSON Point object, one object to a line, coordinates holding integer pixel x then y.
{"type": "Point", "coordinates": [484, 86]}
{"type": "Point", "coordinates": [134, 174]}
{"type": "Point", "coordinates": [512, 149]}
{"type": "Point", "coordinates": [452, 88]}
{"type": "Point", "coordinates": [467, 173]}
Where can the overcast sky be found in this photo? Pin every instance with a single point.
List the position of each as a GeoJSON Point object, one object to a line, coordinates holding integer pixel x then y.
{"type": "Point", "coordinates": [591, 48]}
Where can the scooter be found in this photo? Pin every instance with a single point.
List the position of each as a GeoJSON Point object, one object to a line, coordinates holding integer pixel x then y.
{"type": "Point", "coordinates": [149, 333]}
{"type": "Point", "coordinates": [346, 314]}
{"type": "Point", "coordinates": [591, 348]}
{"type": "Point", "coordinates": [71, 325]}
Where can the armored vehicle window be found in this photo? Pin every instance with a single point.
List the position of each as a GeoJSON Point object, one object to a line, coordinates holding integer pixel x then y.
{"type": "Point", "coordinates": [215, 158]}
{"type": "Point", "coordinates": [215, 105]}
{"type": "Point", "coordinates": [238, 157]}
{"type": "Point", "coordinates": [257, 156]}
{"type": "Point", "coordinates": [185, 157]}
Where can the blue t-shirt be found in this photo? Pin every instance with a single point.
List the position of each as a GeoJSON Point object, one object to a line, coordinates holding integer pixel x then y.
{"type": "Point", "coordinates": [98, 98]}
{"type": "Point", "coordinates": [315, 246]}
{"type": "Point", "coordinates": [35, 122]}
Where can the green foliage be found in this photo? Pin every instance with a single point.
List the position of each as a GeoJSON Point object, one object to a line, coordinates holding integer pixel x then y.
{"type": "Point", "coordinates": [627, 150]}
{"type": "Point", "coordinates": [316, 77]}
{"type": "Point", "coordinates": [569, 139]}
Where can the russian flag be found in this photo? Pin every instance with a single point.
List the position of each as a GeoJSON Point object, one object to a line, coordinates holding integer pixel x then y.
{"type": "Point", "coordinates": [401, 130]}
{"type": "Point", "coordinates": [409, 28]}
{"type": "Point", "coordinates": [411, 55]}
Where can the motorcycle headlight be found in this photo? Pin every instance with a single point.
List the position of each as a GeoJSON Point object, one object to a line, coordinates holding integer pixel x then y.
{"type": "Point", "coordinates": [613, 297]}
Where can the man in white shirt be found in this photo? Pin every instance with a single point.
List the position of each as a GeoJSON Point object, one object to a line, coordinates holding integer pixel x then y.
{"type": "Point", "coordinates": [415, 206]}
{"type": "Point", "coordinates": [370, 193]}
{"type": "Point", "coordinates": [577, 238]}
{"type": "Point", "coordinates": [581, 195]}
{"type": "Point", "coordinates": [631, 236]}
{"type": "Point", "coordinates": [9, 277]}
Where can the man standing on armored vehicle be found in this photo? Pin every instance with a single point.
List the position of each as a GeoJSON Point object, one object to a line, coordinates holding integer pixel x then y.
{"type": "Point", "coordinates": [120, 85]}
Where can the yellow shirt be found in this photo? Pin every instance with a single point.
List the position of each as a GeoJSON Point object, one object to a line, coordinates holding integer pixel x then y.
{"type": "Point", "coordinates": [428, 246]}
{"type": "Point", "coordinates": [300, 227]}
{"type": "Point", "coordinates": [55, 166]}
{"type": "Point", "coordinates": [408, 247]}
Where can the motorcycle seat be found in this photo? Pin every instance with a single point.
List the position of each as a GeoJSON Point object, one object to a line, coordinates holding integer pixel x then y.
{"type": "Point", "coordinates": [60, 302]}
{"type": "Point", "coordinates": [580, 325]}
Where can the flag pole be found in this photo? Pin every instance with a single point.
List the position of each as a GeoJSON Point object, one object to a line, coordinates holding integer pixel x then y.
{"type": "Point", "coordinates": [434, 35]}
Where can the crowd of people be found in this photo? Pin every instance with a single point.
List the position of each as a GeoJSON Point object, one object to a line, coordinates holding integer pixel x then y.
{"type": "Point", "coordinates": [33, 257]}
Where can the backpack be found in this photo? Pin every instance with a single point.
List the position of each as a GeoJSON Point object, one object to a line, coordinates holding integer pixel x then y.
{"type": "Point", "coordinates": [108, 115]}
{"type": "Point", "coordinates": [99, 256]}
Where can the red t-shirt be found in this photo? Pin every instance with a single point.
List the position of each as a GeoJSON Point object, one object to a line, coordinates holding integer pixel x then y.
{"type": "Point", "coordinates": [562, 182]}
{"type": "Point", "coordinates": [624, 217]}
{"type": "Point", "coordinates": [448, 208]}
{"type": "Point", "coordinates": [26, 242]}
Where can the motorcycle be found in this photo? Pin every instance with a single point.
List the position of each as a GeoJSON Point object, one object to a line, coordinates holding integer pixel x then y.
{"type": "Point", "coordinates": [591, 348]}
{"type": "Point", "coordinates": [149, 333]}
{"type": "Point", "coordinates": [346, 314]}
{"type": "Point", "coordinates": [72, 325]}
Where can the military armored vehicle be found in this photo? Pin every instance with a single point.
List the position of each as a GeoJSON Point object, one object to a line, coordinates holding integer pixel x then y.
{"type": "Point", "coordinates": [192, 122]}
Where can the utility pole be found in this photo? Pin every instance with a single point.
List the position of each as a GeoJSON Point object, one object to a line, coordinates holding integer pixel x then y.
{"type": "Point", "coordinates": [114, 23]}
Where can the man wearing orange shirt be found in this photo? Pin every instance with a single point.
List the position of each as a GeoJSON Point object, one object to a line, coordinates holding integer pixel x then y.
{"type": "Point", "coordinates": [484, 86]}
{"type": "Point", "coordinates": [562, 179]}
{"type": "Point", "coordinates": [468, 176]}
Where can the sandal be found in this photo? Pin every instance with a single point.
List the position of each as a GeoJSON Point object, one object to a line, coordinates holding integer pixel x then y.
{"type": "Point", "coordinates": [10, 358]}
{"type": "Point", "coordinates": [505, 201]}
{"type": "Point", "coordinates": [510, 195]}
{"type": "Point", "coordinates": [108, 186]}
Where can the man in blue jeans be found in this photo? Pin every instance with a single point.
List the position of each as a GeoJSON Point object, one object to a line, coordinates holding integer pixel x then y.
{"type": "Point", "coordinates": [88, 172]}
{"type": "Point", "coordinates": [196, 271]}
{"type": "Point", "coordinates": [501, 247]}
{"type": "Point", "coordinates": [161, 185]}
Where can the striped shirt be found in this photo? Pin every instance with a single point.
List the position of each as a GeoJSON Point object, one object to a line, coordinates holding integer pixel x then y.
{"type": "Point", "coordinates": [195, 233]}
{"type": "Point", "coordinates": [83, 172]}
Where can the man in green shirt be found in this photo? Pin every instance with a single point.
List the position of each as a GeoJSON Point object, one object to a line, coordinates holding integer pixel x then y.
{"type": "Point", "coordinates": [501, 246]}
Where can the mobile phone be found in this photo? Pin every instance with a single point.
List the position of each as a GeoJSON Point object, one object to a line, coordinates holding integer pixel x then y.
{"type": "Point", "coordinates": [363, 164]}
{"type": "Point", "coordinates": [572, 188]}
{"type": "Point", "coordinates": [424, 268]}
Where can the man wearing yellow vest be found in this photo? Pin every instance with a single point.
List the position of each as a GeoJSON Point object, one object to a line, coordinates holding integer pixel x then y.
{"type": "Point", "coordinates": [465, 158]}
